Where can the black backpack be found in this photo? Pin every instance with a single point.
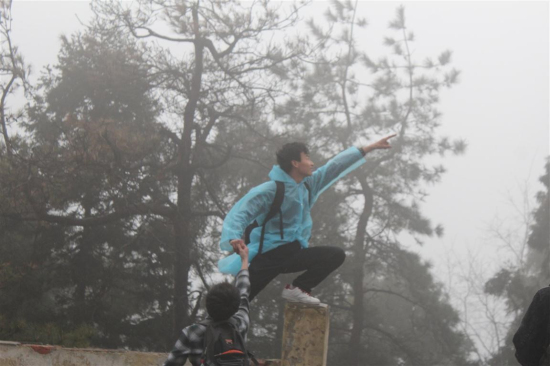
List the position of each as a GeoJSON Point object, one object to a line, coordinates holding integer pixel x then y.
{"type": "Point", "coordinates": [224, 346]}
{"type": "Point", "coordinates": [274, 210]}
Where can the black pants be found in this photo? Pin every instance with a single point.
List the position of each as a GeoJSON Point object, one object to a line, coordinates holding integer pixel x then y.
{"type": "Point", "coordinates": [317, 262]}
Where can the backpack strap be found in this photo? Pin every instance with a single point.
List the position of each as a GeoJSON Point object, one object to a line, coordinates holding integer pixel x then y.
{"type": "Point", "coordinates": [274, 210]}
{"type": "Point", "coordinates": [205, 346]}
{"type": "Point", "coordinates": [308, 192]}
{"type": "Point", "coordinates": [248, 231]}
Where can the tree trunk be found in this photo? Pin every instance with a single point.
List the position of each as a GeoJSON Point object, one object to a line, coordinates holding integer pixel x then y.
{"type": "Point", "coordinates": [359, 252]}
{"type": "Point", "coordinates": [81, 270]}
{"type": "Point", "coordinates": [182, 266]}
{"type": "Point", "coordinates": [183, 236]}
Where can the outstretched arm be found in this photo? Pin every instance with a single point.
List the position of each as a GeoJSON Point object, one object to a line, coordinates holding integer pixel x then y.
{"type": "Point", "coordinates": [242, 250]}
{"type": "Point", "coordinates": [243, 285]}
{"type": "Point", "coordinates": [382, 144]}
{"type": "Point", "coordinates": [340, 165]}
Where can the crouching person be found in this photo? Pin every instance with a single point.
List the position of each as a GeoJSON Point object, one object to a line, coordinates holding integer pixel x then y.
{"type": "Point", "coordinates": [221, 338]}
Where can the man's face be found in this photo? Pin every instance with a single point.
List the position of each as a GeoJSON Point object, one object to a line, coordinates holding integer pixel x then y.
{"type": "Point", "coordinates": [305, 166]}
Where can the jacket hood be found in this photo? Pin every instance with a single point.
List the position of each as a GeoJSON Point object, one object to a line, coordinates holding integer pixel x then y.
{"type": "Point", "coordinates": [279, 174]}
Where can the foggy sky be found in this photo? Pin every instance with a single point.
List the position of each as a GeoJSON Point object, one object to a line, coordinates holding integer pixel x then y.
{"type": "Point", "coordinates": [500, 106]}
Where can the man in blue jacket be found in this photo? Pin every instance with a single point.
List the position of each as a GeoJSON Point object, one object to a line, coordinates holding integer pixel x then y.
{"type": "Point", "coordinates": [284, 242]}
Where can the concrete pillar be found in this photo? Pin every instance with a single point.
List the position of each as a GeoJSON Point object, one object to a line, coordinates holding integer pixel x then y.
{"type": "Point", "coordinates": [305, 335]}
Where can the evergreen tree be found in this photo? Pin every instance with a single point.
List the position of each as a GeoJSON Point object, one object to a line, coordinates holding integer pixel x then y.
{"type": "Point", "coordinates": [227, 72]}
{"type": "Point", "coordinates": [93, 146]}
{"type": "Point", "coordinates": [347, 98]}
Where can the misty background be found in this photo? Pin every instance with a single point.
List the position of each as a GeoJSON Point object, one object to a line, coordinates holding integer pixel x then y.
{"type": "Point", "coordinates": [495, 111]}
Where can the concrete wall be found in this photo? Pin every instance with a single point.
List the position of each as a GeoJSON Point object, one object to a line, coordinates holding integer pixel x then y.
{"type": "Point", "coordinates": [15, 354]}
{"type": "Point", "coordinates": [305, 343]}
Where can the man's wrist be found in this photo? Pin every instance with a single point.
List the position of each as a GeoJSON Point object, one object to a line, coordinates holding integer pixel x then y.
{"type": "Point", "coordinates": [366, 149]}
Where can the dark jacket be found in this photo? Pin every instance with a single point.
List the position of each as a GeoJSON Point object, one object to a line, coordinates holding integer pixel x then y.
{"type": "Point", "coordinates": [190, 344]}
{"type": "Point", "coordinates": [533, 336]}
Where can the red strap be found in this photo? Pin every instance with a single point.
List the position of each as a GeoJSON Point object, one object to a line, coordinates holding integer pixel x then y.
{"type": "Point", "coordinates": [231, 351]}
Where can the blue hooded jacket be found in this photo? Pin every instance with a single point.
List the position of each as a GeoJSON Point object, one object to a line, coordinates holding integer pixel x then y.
{"type": "Point", "coordinates": [296, 208]}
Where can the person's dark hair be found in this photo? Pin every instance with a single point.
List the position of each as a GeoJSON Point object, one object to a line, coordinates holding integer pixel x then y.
{"type": "Point", "coordinates": [289, 152]}
{"type": "Point", "coordinates": [222, 301]}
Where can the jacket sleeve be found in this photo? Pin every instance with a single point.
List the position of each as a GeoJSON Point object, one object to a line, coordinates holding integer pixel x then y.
{"type": "Point", "coordinates": [531, 338]}
{"type": "Point", "coordinates": [337, 167]}
{"type": "Point", "coordinates": [241, 318]}
{"type": "Point", "coordinates": [253, 204]}
{"type": "Point", "coordinates": [189, 343]}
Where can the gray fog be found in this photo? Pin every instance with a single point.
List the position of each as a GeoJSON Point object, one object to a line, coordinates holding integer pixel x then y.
{"type": "Point", "coordinates": [500, 107]}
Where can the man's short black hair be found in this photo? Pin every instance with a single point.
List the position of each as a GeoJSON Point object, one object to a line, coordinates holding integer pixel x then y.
{"type": "Point", "coordinates": [289, 152]}
{"type": "Point", "coordinates": [222, 301]}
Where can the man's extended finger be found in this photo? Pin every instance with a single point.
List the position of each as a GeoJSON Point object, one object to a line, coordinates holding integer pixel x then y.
{"type": "Point", "coordinates": [389, 137]}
